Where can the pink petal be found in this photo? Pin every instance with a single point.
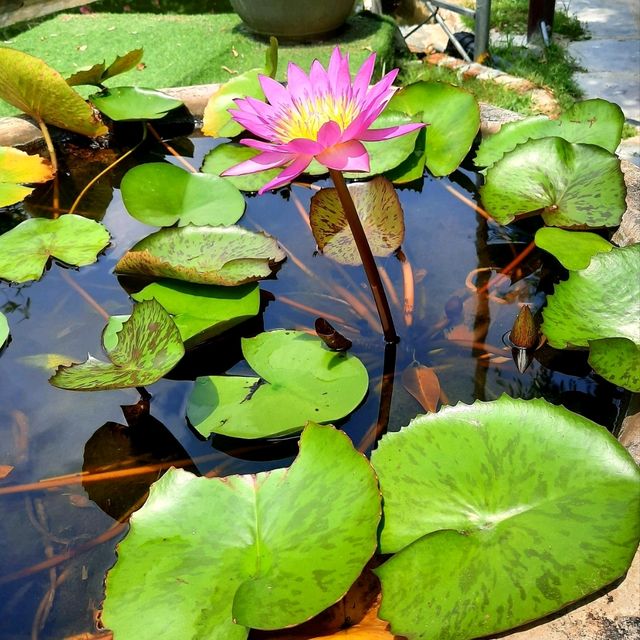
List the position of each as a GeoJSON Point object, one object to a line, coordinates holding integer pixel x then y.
{"type": "Point", "coordinates": [274, 92]}
{"type": "Point", "coordinates": [303, 146]}
{"type": "Point", "coordinates": [298, 83]}
{"type": "Point", "coordinates": [319, 79]}
{"type": "Point", "coordinates": [338, 72]}
{"type": "Point", "coordinates": [347, 156]}
{"type": "Point", "coordinates": [288, 174]}
{"type": "Point", "coordinates": [363, 78]}
{"type": "Point", "coordinates": [373, 135]}
{"type": "Point", "coordinates": [261, 145]}
{"type": "Point", "coordinates": [329, 134]}
{"type": "Point", "coordinates": [253, 124]}
{"type": "Point", "coordinates": [263, 161]}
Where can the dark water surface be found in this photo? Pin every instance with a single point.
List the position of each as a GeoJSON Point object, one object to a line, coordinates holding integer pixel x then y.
{"type": "Point", "coordinates": [47, 433]}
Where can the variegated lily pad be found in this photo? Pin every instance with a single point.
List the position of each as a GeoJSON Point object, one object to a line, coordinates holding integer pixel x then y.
{"type": "Point", "coordinates": [147, 347]}
{"type": "Point", "coordinates": [500, 513]}
{"type": "Point", "coordinates": [225, 256]}
{"type": "Point", "coordinates": [26, 249]}
{"type": "Point", "coordinates": [287, 546]}
{"type": "Point", "coordinates": [18, 168]}
{"type": "Point", "coordinates": [379, 210]}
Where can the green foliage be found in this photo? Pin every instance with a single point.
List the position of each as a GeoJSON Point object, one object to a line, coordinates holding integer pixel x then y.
{"type": "Point", "coordinates": [26, 249]}
{"type": "Point", "coordinates": [380, 213]}
{"type": "Point", "coordinates": [200, 311]}
{"type": "Point", "coordinates": [17, 168]}
{"type": "Point", "coordinates": [453, 119]}
{"type": "Point", "coordinates": [146, 347]}
{"type": "Point", "coordinates": [134, 103]}
{"type": "Point", "coordinates": [224, 256]}
{"type": "Point", "coordinates": [601, 302]}
{"type": "Point", "coordinates": [4, 330]}
{"type": "Point", "coordinates": [33, 87]}
{"type": "Point", "coordinates": [573, 249]}
{"type": "Point", "coordinates": [299, 380]}
{"type": "Point", "coordinates": [490, 526]}
{"type": "Point", "coordinates": [573, 184]}
{"type": "Point", "coordinates": [162, 194]}
{"type": "Point", "coordinates": [264, 551]}
{"type": "Point", "coordinates": [99, 73]}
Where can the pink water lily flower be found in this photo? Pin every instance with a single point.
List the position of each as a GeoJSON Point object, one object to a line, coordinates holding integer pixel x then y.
{"type": "Point", "coordinates": [323, 115]}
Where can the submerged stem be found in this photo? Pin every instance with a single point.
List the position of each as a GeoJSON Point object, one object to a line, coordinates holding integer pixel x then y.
{"type": "Point", "coordinates": [368, 262]}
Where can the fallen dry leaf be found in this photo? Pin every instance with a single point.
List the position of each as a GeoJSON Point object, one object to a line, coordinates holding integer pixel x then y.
{"type": "Point", "coordinates": [423, 384]}
{"type": "Point", "coordinates": [5, 470]}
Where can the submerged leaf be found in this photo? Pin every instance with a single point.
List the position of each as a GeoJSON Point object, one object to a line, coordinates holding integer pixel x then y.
{"type": "Point", "coordinates": [300, 380]}
{"type": "Point", "coordinates": [453, 119]}
{"type": "Point", "coordinates": [573, 249]}
{"type": "Point", "coordinates": [287, 547]}
{"type": "Point", "coordinates": [134, 103]}
{"type": "Point", "coordinates": [99, 73]}
{"type": "Point", "coordinates": [204, 255]}
{"type": "Point", "coordinates": [147, 347]}
{"type": "Point", "coordinates": [26, 249]}
{"type": "Point", "coordinates": [518, 507]}
{"type": "Point", "coordinates": [423, 384]}
{"type": "Point", "coordinates": [589, 122]}
{"type": "Point", "coordinates": [379, 210]}
{"type": "Point", "coordinates": [203, 311]}
{"type": "Point", "coordinates": [162, 194]}
{"type": "Point", "coordinates": [17, 168]}
{"type": "Point", "coordinates": [575, 185]}
{"type": "Point", "coordinates": [32, 86]}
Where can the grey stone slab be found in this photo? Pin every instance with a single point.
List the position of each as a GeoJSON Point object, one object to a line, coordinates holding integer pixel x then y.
{"type": "Point", "coordinates": [608, 55]}
{"type": "Point", "coordinates": [621, 88]}
{"type": "Point", "coordinates": [620, 18]}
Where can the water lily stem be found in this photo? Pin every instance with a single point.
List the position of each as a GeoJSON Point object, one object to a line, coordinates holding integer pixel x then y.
{"type": "Point", "coordinates": [54, 163]}
{"type": "Point", "coordinates": [368, 261]}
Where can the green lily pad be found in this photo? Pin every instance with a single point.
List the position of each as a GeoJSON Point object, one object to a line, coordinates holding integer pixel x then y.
{"type": "Point", "coordinates": [589, 122]}
{"type": "Point", "coordinates": [217, 121]}
{"type": "Point", "coordinates": [379, 210]}
{"type": "Point", "coordinates": [4, 329]}
{"type": "Point", "coordinates": [147, 347]}
{"type": "Point", "coordinates": [601, 301]}
{"type": "Point", "coordinates": [229, 154]}
{"type": "Point", "coordinates": [225, 256]}
{"type": "Point", "coordinates": [617, 360]}
{"type": "Point", "coordinates": [453, 117]}
{"type": "Point", "coordinates": [16, 168]}
{"type": "Point", "coordinates": [574, 185]}
{"type": "Point", "coordinates": [203, 311]}
{"type": "Point", "coordinates": [573, 249]}
{"type": "Point", "coordinates": [412, 168]}
{"type": "Point", "coordinates": [134, 103]}
{"type": "Point", "coordinates": [99, 73]}
{"type": "Point", "coordinates": [300, 379]}
{"type": "Point", "coordinates": [384, 155]}
{"type": "Point", "coordinates": [288, 546]}
{"type": "Point", "coordinates": [26, 249]}
{"type": "Point", "coordinates": [510, 509]}
{"type": "Point", "coordinates": [32, 86]}
{"type": "Point", "coordinates": [162, 194]}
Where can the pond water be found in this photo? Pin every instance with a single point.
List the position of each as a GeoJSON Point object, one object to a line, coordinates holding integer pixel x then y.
{"type": "Point", "coordinates": [57, 542]}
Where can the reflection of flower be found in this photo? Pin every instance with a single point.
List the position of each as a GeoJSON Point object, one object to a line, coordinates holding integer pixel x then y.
{"type": "Point", "coordinates": [324, 116]}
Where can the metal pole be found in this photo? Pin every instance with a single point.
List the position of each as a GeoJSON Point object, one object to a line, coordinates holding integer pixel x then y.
{"type": "Point", "coordinates": [540, 11]}
{"type": "Point", "coordinates": [483, 24]}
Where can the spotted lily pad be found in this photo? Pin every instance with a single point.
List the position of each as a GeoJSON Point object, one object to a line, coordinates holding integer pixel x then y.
{"type": "Point", "coordinates": [379, 210]}
{"type": "Point", "coordinates": [589, 122]}
{"type": "Point", "coordinates": [229, 154]}
{"type": "Point", "coordinates": [573, 249]}
{"type": "Point", "coordinates": [32, 86]}
{"type": "Point", "coordinates": [162, 194]}
{"type": "Point", "coordinates": [453, 117]}
{"type": "Point", "coordinates": [147, 347]}
{"type": "Point", "coordinates": [574, 185]}
{"type": "Point", "coordinates": [203, 311]}
{"type": "Point", "coordinates": [601, 302]}
{"type": "Point", "coordinates": [17, 168]}
{"type": "Point", "coordinates": [300, 379]}
{"type": "Point", "coordinates": [134, 103]}
{"type": "Point", "coordinates": [290, 544]}
{"type": "Point", "coordinates": [225, 256]}
{"type": "Point", "coordinates": [99, 73]}
{"type": "Point", "coordinates": [510, 508]}
{"type": "Point", "coordinates": [4, 329]}
{"type": "Point", "coordinates": [26, 249]}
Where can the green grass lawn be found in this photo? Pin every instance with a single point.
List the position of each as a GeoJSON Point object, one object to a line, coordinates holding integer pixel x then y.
{"type": "Point", "coordinates": [185, 49]}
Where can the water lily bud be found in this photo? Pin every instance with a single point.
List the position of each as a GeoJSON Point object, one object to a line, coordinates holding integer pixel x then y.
{"type": "Point", "coordinates": [524, 333]}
